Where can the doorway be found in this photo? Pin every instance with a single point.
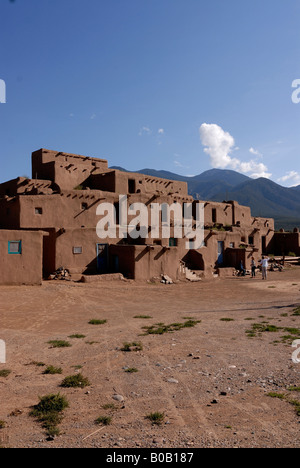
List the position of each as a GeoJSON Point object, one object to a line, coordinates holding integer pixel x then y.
{"type": "Point", "coordinates": [102, 258]}
{"type": "Point", "coordinates": [220, 252]}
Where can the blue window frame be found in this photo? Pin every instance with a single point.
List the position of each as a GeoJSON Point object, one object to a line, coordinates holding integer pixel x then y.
{"type": "Point", "coordinates": [15, 247]}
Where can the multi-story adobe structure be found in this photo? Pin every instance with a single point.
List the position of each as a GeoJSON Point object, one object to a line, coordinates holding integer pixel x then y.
{"type": "Point", "coordinates": [49, 221]}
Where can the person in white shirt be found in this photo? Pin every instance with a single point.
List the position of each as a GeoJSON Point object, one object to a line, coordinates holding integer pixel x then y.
{"type": "Point", "coordinates": [264, 267]}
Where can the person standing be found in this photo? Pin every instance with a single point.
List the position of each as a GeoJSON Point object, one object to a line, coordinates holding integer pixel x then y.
{"type": "Point", "coordinates": [242, 269]}
{"type": "Point", "coordinates": [253, 267]}
{"type": "Point", "coordinates": [264, 267]}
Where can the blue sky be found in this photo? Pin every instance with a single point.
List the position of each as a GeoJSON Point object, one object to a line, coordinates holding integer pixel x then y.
{"type": "Point", "coordinates": [179, 85]}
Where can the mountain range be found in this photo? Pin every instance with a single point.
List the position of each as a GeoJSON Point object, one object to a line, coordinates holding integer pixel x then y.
{"type": "Point", "coordinates": [265, 197]}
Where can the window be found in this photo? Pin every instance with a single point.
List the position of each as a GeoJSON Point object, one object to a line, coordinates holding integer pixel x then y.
{"type": "Point", "coordinates": [84, 206]}
{"type": "Point", "coordinates": [15, 247]}
{"type": "Point", "coordinates": [231, 245]}
{"type": "Point", "coordinates": [131, 186]}
{"type": "Point", "coordinates": [251, 240]}
{"type": "Point", "coordinates": [214, 215]}
{"type": "Point", "coordinates": [77, 250]}
{"type": "Point", "coordinates": [38, 211]}
{"type": "Point", "coordinates": [172, 242]}
{"type": "Point", "coordinates": [117, 211]}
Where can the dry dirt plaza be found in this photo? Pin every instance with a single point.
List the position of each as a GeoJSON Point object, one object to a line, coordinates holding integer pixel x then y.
{"type": "Point", "coordinates": [228, 381]}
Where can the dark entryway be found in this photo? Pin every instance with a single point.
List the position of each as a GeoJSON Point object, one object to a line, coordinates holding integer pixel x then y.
{"type": "Point", "coordinates": [102, 258]}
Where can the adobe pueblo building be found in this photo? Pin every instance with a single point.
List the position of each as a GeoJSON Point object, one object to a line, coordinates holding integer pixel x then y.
{"type": "Point", "coordinates": [49, 223]}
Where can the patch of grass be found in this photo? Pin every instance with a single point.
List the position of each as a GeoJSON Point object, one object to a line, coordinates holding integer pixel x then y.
{"type": "Point", "coordinates": [156, 418]}
{"type": "Point", "coordinates": [5, 373]}
{"type": "Point", "coordinates": [91, 342]}
{"type": "Point", "coordinates": [293, 331]}
{"type": "Point", "coordinates": [77, 335]}
{"type": "Point", "coordinates": [77, 367]}
{"type": "Point", "coordinates": [226, 319]}
{"type": "Point", "coordinates": [75, 381]}
{"type": "Point", "coordinates": [259, 328]}
{"type": "Point", "coordinates": [296, 312]}
{"type": "Point", "coordinates": [134, 346]}
{"type": "Point", "coordinates": [250, 334]}
{"type": "Point", "coordinates": [2, 424]}
{"type": "Point", "coordinates": [190, 323]}
{"type": "Point", "coordinates": [49, 412]}
{"type": "Point", "coordinates": [161, 328]}
{"type": "Point", "coordinates": [97, 322]}
{"type": "Point", "coordinates": [142, 317]}
{"type": "Point", "coordinates": [59, 344]}
{"type": "Point", "coordinates": [109, 406]}
{"type": "Point", "coordinates": [294, 403]}
{"type": "Point", "coordinates": [36, 363]}
{"type": "Point", "coordinates": [131, 370]}
{"type": "Point", "coordinates": [287, 339]}
{"type": "Point", "coordinates": [52, 370]}
{"type": "Point", "coordinates": [280, 396]}
{"type": "Point", "coordinates": [104, 420]}
{"type": "Point", "coordinates": [294, 389]}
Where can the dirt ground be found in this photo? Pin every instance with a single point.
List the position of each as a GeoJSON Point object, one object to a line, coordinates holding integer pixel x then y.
{"type": "Point", "coordinates": [211, 381]}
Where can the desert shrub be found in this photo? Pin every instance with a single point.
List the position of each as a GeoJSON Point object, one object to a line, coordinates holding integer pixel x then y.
{"type": "Point", "coordinates": [75, 381]}
{"type": "Point", "coordinates": [49, 412]}
{"type": "Point", "coordinates": [52, 370]}
{"type": "Point", "coordinates": [59, 344]}
{"type": "Point", "coordinates": [135, 346]}
{"type": "Point", "coordinates": [97, 322]}
{"type": "Point", "coordinates": [156, 418]}
{"type": "Point", "coordinates": [104, 420]}
{"type": "Point", "coordinates": [161, 328]}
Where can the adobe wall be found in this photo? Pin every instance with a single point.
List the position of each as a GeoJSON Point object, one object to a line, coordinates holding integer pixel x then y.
{"type": "Point", "coordinates": [218, 213]}
{"type": "Point", "coordinates": [155, 261]}
{"type": "Point", "coordinates": [22, 185]}
{"type": "Point", "coordinates": [9, 213]}
{"type": "Point", "coordinates": [128, 182]}
{"type": "Point", "coordinates": [286, 242]}
{"type": "Point", "coordinates": [84, 262]}
{"type": "Point", "coordinates": [23, 268]}
{"type": "Point", "coordinates": [66, 170]}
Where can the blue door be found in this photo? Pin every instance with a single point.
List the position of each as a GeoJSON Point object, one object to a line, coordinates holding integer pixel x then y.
{"type": "Point", "coordinates": [102, 258]}
{"type": "Point", "coordinates": [220, 252]}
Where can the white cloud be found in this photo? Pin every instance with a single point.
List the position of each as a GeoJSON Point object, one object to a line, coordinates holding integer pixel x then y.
{"type": "Point", "coordinates": [145, 131]}
{"type": "Point", "coordinates": [219, 146]}
{"type": "Point", "coordinates": [161, 131]}
{"type": "Point", "coordinates": [255, 152]}
{"type": "Point", "coordinates": [292, 177]}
